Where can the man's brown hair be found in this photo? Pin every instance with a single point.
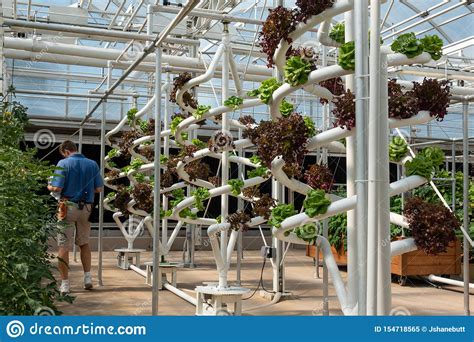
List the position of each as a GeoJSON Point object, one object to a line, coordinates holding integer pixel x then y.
{"type": "Point", "coordinates": [67, 145]}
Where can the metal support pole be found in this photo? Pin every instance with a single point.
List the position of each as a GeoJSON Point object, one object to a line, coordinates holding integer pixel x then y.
{"type": "Point", "coordinates": [373, 127]}
{"type": "Point", "coordinates": [156, 190]}
{"type": "Point", "coordinates": [102, 172]}
{"type": "Point", "coordinates": [465, 168]}
{"type": "Point", "coordinates": [361, 91]}
{"type": "Point", "coordinates": [225, 154]}
{"type": "Point", "coordinates": [384, 297]}
{"type": "Point", "coordinates": [453, 173]}
{"type": "Point", "coordinates": [352, 282]}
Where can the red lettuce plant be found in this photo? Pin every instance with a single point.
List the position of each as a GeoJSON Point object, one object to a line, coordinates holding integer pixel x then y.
{"type": "Point", "coordinates": [433, 96]}
{"type": "Point", "coordinates": [334, 85]}
{"type": "Point", "coordinates": [432, 225]}
{"type": "Point", "coordinates": [401, 105]}
{"type": "Point", "coordinates": [319, 177]}
{"type": "Point", "coordinates": [308, 8]}
{"type": "Point", "coordinates": [287, 137]}
{"type": "Point", "coordinates": [344, 110]}
{"type": "Point", "coordinates": [278, 25]}
{"type": "Point", "coordinates": [143, 195]}
{"type": "Point", "coordinates": [178, 83]}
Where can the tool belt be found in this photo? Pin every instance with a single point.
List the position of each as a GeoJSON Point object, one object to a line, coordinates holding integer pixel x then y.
{"type": "Point", "coordinates": [62, 209]}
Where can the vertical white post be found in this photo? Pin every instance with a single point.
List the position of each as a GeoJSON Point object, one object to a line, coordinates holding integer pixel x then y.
{"type": "Point", "coordinates": [166, 143]}
{"type": "Point", "coordinates": [373, 127]}
{"type": "Point", "coordinates": [465, 170]}
{"type": "Point", "coordinates": [156, 190]}
{"type": "Point", "coordinates": [225, 155]}
{"type": "Point", "coordinates": [3, 74]}
{"type": "Point", "coordinates": [352, 284]}
{"type": "Point", "coordinates": [361, 92]}
{"type": "Point", "coordinates": [384, 254]}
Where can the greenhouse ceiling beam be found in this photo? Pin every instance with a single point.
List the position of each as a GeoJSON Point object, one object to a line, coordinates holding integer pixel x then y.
{"type": "Point", "coordinates": [148, 50]}
{"type": "Point", "coordinates": [431, 22]}
{"type": "Point", "coordinates": [64, 94]}
{"type": "Point", "coordinates": [428, 18]}
{"type": "Point", "coordinates": [450, 20]}
{"type": "Point", "coordinates": [91, 33]}
{"type": "Point", "coordinates": [417, 15]}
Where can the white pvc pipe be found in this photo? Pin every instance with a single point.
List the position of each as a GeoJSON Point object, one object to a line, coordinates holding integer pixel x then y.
{"type": "Point", "coordinates": [402, 246]}
{"type": "Point", "coordinates": [448, 281]}
{"type": "Point", "coordinates": [323, 34]}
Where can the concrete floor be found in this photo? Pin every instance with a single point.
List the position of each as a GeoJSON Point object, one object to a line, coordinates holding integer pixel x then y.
{"type": "Point", "coordinates": [125, 293]}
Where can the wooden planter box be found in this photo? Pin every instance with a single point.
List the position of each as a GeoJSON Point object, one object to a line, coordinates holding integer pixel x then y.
{"type": "Point", "coordinates": [339, 256]}
{"type": "Point", "coordinates": [418, 263]}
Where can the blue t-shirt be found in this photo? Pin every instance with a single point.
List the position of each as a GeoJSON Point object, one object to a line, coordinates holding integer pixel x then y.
{"type": "Point", "coordinates": [80, 177]}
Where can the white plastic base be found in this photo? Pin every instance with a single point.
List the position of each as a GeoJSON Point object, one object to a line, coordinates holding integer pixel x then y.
{"type": "Point", "coordinates": [220, 297]}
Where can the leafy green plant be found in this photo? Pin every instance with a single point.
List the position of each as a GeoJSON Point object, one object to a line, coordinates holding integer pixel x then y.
{"type": "Point", "coordinates": [397, 149]}
{"type": "Point", "coordinates": [280, 213]}
{"type": "Point", "coordinates": [131, 115]}
{"type": "Point", "coordinates": [337, 232]}
{"type": "Point", "coordinates": [407, 44]}
{"type": "Point", "coordinates": [255, 159]}
{"type": "Point", "coordinates": [253, 93]}
{"type": "Point", "coordinates": [234, 102]}
{"type": "Point", "coordinates": [316, 203]}
{"type": "Point", "coordinates": [337, 33]}
{"type": "Point", "coordinates": [136, 163]}
{"type": "Point", "coordinates": [201, 111]}
{"type": "Point", "coordinates": [267, 88]}
{"type": "Point", "coordinates": [308, 232]}
{"type": "Point", "coordinates": [346, 57]}
{"type": "Point", "coordinates": [175, 123]}
{"type": "Point", "coordinates": [310, 125]}
{"type": "Point", "coordinates": [140, 177]}
{"type": "Point", "coordinates": [297, 71]}
{"type": "Point", "coordinates": [200, 195]}
{"type": "Point", "coordinates": [435, 155]}
{"type": "Point", "coordinates": [420, 166]}
{"type": "Point", "coordinates": [236, 185]}
{"type": "Point", "coordinates": [433, 45]}
{"type": "Point", "coordinates": [286, 108]}
{"type": "Point", "coordinates": [199, 143]}
{"type": "Point", "coordinates": [27, 219]}
{"type": "Point", "coordinates": [260, 171]}
{"type": "Point", "coordinates": [113, 153]}
{"type": "Point", "coordinates": [163, 159]}
{"type": "Point", "coordinates": [111, 195]}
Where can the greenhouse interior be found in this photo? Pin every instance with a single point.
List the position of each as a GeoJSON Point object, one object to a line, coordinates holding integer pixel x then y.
{"type": "Point", "coordinates": [312, 157]}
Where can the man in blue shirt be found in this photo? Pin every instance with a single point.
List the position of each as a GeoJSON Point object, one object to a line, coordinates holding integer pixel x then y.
{"type": "Point", "coordinates": [77, 181]}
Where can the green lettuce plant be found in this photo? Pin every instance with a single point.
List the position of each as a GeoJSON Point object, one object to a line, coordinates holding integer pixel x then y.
{"type": "Point", "coordinates": [113, 153]}
{"type": "Point", "coordinates": [286, 108]}
{"type": "Point", "coordinates": [201, 111]}
{"type": "Point", "coordinates": [433, 45]}
{"type": "Point", "coordinates": [267, 88]}
{"type": "Point", "coordinates": [131, 115]}
{"type": "Point", "coordinates": [280, 213]}
{"type": "Point", "coordinates": [253, 93]}
{"type": "Point", "coordinates": [420, 166]}
{"type": "Point", "coordinates": [346, 57]}
{"type": "Point", "coordinates": [407, 44]}
{"type": "Point", "coordinates": [234, 102]}
{"type": "Point", "coordinates": [296, 71]}
{"type": "Point", "coordinates": [337, 33]}
{"type": "Point", "coordinates": [200, 195]}
{"type": "Point", "coordinates": [308, 232]}
{"type": "Point", "coordinates": [310, 125]}
{"type": "Point", "coordinates": [199, 143]}
{"type": "Point", "coordinates": [435, 155]}
{"type": "Point", "coordinates": [260, 171]}
{"type": "Point", "coordinates": [236, 185]}
{"type": "Point", "coordinates": [316, 203]}
{"type": "Point", "coordinates": [397, 149]}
